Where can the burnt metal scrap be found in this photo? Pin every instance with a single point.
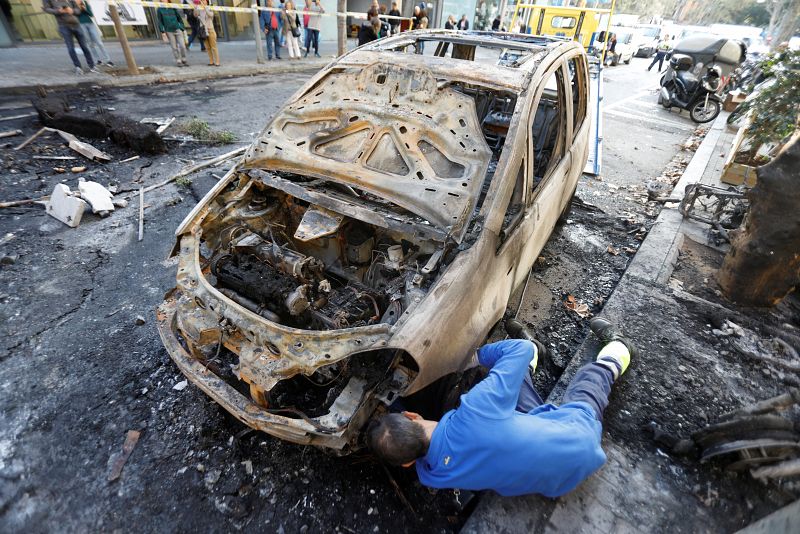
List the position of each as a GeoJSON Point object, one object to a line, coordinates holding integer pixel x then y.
{"type": "Point", "coordinates": [723, 209]}
{"type": "Point", "coordinates": [755, 438]}
{"type": "Point", "coordinates": [326, 274]}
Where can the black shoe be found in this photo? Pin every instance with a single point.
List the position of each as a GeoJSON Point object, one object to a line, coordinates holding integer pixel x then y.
{"type": "Point", "coordinates": [607, 332]}
{"type": "Point", "coordinates": [517, 330]}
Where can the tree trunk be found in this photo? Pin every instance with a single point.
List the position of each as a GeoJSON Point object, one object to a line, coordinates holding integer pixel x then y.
{"type": "Point", "coordinates": [788, 25]}
{"type": "Point", "coordinates": [341, 23]}
{"type": "Point", "coordinates": [763, 264]}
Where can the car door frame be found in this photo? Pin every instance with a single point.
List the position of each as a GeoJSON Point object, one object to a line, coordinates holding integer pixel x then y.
{"type": "Point", "coordinates": [548, 189]}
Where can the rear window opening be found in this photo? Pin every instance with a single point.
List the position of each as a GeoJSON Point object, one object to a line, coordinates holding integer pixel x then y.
{"type": "Point", "coordinates": [504, 50]}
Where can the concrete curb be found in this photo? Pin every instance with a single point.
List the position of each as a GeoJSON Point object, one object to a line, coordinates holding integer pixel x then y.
{"type": "Point", "coordinates": [656, 257]}
{"type": "Point", "coordinates": [652, 265]}
{"type": "Point", "coordinates": [174, 74]}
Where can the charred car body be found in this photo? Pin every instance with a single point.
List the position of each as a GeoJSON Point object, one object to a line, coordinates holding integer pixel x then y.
{"type": "Point", "coordinates": [374, 232]}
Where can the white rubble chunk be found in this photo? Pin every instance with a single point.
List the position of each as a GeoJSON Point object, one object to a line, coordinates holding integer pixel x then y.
{"type": "Point", "coordinates": [97, 196]}
{"type": "Point", "coordinates": [66, 207]}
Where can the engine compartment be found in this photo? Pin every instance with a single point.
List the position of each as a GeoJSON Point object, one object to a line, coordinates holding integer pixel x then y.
{"type": "Point", "coordinates": [308, 267]}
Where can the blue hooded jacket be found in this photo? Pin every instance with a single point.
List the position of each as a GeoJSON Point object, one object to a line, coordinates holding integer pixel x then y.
{"type": "Point", "coordinates": [486, 444]}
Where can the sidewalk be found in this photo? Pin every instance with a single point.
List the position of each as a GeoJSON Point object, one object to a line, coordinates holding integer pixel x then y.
{"type": "Point", "coordinates": [680, 380]}
{"type": "Point", "coordinates": [29, 66]}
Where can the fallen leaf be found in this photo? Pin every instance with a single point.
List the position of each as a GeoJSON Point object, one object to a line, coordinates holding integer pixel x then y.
{"type": "Point", "coordinates": [612, 250]}
{"type": "Point", "coordinates": [629, 250]}
{"type": "Point", "coordinates": [578, 307]}
{"type": "Point", "coordinates": [78, 169]}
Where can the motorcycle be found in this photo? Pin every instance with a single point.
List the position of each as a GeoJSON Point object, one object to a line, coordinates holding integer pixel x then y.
{"type": "Point", "coordinates": [696, 95]}
{"type": "Point", "coordinates": [684, 87]}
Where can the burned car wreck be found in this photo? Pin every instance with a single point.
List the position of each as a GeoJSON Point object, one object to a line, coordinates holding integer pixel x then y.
{"type": "Point", "coordinates": [373, 233]}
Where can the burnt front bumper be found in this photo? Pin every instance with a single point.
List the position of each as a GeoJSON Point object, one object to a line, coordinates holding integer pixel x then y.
{"type": "Point", "coordinates": [248, 412]}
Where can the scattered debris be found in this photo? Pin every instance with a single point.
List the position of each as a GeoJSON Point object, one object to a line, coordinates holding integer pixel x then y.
{"type": "Point", "coordinates": [23, 202]}
{"type": "Point", "coordinates": [78, 169]}
{"type": "Point", "coordinates": [139, 321]}
{"type": "Point", "coordinates": [55, 112]}
{"type": "Point", "coordinates": [578, 307]}
{"type": "Point", "coordinates": [65, 158]}
{"type": "Point", "coordinates": [59, 170]}
{"type": "Point", "coordinates": [132, 158]}
{"type": "Point", "coordinates": [84, 149]}
{"type": "Point", "coordinates": [162, 123]}
{"type": "Point", "coordinates": [118, 459]}
{"type": "Point", "coordinates": [98, 197]}
{"type": "Point", "coordinates": [141, 213]}
{"type": "Point", "coordinates": [66, 206]}
{"type": "Point", "coordinates": [248, 466]}
{"type": "Point", "coordinates": [180, 386]}
{"type": "Point", "coordinates": [198, 166]}
{"type": "Point", "coordinates": [613, 251]}
{"type": "Point", "coordinates": [9, 259]}
{"type": "Point", "coordinates": [10, 133]}
{"type": "Point", "coordinates": [723, 209]}
{"type": "Point", "coordinates": [32, 138]}
{"type": "Point", "coordinates": [15, 117]}
{"type": "Point", "coordinates": [755, 437]}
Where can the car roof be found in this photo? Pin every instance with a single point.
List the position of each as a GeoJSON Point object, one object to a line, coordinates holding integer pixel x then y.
{"type": "Point", "coordinates": [514, 75]}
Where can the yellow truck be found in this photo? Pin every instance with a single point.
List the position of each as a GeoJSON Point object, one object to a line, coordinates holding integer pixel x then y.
{"type": "Point", "coordinates": [577, 23]}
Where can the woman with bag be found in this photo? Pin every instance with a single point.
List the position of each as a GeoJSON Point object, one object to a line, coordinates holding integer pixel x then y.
{"type": "Point", "coordinates": [207, 32]}
{"type": "Point", "coordinates": [291, 29]}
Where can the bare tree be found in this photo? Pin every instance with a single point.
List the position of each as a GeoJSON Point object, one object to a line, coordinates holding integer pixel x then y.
{"type": "Point", "coordinates": [783, 15]}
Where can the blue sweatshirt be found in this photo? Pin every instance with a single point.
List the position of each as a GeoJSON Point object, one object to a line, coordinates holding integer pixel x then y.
{"type": "Point", "coordinates": [486, 444]}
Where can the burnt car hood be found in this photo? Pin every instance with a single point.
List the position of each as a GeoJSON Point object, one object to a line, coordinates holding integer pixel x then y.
{"type": "Point", "coordinates": [387, 130]}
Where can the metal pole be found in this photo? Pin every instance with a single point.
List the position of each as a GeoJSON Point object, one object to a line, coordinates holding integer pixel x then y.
{"type": "Point", "coordinates": [257, 33]}
{"type": "Point", "coordinates": [123, 39]}
{"type": "Point", "coordinates": [341, 25]}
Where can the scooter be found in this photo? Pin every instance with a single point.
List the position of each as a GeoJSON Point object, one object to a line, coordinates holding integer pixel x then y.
{"type": "Point", "coordinates": [686, 91]}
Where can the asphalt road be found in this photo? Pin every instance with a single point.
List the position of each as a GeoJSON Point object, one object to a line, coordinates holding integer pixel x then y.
{"type": "Point", "coordinates": [77, 372]}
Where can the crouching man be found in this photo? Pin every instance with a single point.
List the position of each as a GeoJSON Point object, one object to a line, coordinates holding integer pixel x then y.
{"type": "Point", "coordinates": [503, 437]}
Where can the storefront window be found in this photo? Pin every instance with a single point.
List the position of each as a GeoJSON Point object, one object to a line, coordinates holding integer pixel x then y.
{"type": "Point", "coordinates": [485, 13]}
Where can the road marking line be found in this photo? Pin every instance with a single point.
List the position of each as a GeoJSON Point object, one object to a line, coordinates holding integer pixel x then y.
{"type": "Point", "coordinates": [654, 120]}
{"type": "Point", "coordinates": [628, 99]}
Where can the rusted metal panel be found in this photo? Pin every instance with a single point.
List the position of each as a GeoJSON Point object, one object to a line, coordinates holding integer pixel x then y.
{"type": "Point", "coordinates": [389, 130]}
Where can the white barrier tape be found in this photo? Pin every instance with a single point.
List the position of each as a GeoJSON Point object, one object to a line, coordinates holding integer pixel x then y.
{"type": "Point", "coordinates": [353, 14]}
{"type": "Point", "coordinates": [255, 8]}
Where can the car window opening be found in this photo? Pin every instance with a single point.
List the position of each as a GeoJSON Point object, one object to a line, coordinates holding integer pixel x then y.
{"type": "Point", "coordinates": [548, 128]}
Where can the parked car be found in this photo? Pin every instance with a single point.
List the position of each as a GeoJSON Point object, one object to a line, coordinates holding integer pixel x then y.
{"type": "Point", "coordinates": [646, 38]}
{"type": "Point", "coordinates": [624, 50]}
{"type": "Point", "coordinates": [373, 233]}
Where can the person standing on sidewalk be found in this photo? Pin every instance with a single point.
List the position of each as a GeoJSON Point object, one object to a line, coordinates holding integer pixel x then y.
{"type": "Point", "coordinates": [291, 29]}
{"type": "Point", "coordinates": [92, 34]}
{"type": "Point", "coordinates": [503, 436]}
{"type": "Point", "coordinates": [270, 25]}
{"type": "Point", "coordinates": [170, 24]}
{"type": "Point", "coordinates": [662, 49]}
{"type": "Point", "coordinates": [194, 24]}
{"type": "Point", "coordinates": [206, 18]}
{"type": "Point", "coordinates": [394, 23]}
{"type": "Point", "coordinates": [313, 8]}
{"type": "Point", "coordinates": [65, 12]}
